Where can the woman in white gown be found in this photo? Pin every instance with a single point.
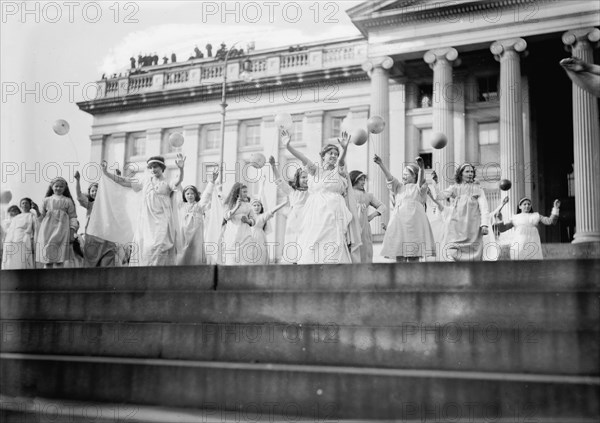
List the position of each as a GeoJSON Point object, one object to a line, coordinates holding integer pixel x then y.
{"type": "Point", "coordinates": [526, 244]}
{"type": "Point", "coordinates": [237, 246]}
{"type": "Point", "coordinates": [18, 251]}
{"type": "Point", "coordinates": [155, 236]}
{"type": "Point", "coordinates": [323, 235]}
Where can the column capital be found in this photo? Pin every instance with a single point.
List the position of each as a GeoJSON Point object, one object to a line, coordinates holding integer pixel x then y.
{"type": "Point", "coordinates": [97, 137]}
{"type": "Point", "coordinates": [383, 62]}
{"type": "Point", "coordinates": [574, 36]}
{"type": "Point", "coordinates": [498, 48]}
{"type": "Point", "coordinates": [447, 54]}
{"type": "Point", "coordinates": [119, 135]}
{"type": "Point", "coordinates": [154, 131]}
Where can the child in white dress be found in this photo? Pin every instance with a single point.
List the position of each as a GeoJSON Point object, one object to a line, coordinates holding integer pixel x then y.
{"type": "Point", "coordinates": [408, 236]}
{"type": "Point", "coordinates": [526, 244]}
{"type": "Point", "coordinates": [237, 245]}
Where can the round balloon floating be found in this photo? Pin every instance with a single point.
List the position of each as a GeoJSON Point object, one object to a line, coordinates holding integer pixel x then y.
{"type": "Point", "coordinates": [5, 197]}
{"type": "Point", "coordinates": [505, 184]}
{"type": "Point", "coordinates": [257, 160]}
{"type": "Point", "coordinates": [359, 136]}
{"type": "Point", "coordinates": [284, 121]}
{"type": "Point", "coordinates": [176, 140]}
{"type": "Point", "coordinates": [376, 124]}
{"type": "Point", "coordinates": [438, 140]}
{"type": "Point", "coordinates": [61, 127]}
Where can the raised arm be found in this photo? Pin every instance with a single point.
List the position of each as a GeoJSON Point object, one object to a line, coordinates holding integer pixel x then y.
{"type": "Point", "coordinates": [206, 197]}
{"type": "Point", "coordinates": [124, 182]}
{"type": "Point", "coordinates": [82, 199]}
{"type": "Point", "coordinates": [180, 162]}
{"type": "Point", "coordinates": [421, 175]}
{"type": "Point", "coordinates": [286, 138]}
{"type": "Point", "coordinates": [553, 216]}
{"type": "Point", "coordinates": [386, 172]}
{"type": "Point", "coordinates": [274, 167]}
{"type": "Point", "coordinates": [344, 142]}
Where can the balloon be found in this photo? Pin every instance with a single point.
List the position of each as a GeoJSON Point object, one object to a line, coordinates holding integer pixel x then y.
{"type": "Point", "coordinates": [505, 184]}
{"type": "Point", "coordinates": [257, 160]}
{"type": "Point", "coordinates": [438, 140]}
{"type": "Point", "coordinates": [176, 139]}
{"type": "Point", "coordinates": [61, 127]}
{"type": "Point", "coordinates": [283, 121]}
{"type": "Point", "coordinates": [375, 124]}
{"type": "Point", "coordinates": [359, 136]}
{"type": "Point", "coordinates": [5, 197]}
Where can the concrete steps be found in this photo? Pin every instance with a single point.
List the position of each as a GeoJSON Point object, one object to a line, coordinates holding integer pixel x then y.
{"type": "Point", "coordinates": [367, 341]}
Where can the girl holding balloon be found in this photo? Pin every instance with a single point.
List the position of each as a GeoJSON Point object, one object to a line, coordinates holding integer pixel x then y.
{"type": "Point", "coordinates": [408, 237]}
{"type": "Point", "coordinates": [324, 235]}
{"type": "Point", "coordinates": [297, 194]}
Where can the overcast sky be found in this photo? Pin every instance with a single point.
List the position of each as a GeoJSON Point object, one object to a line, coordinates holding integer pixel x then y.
{"type": "Point", "coordinates": [51, 50]}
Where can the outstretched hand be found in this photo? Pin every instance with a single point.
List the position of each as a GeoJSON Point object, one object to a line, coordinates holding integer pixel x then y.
{"type": "Point", "coordinates": [272, 160]}
{"type": "Point", "coordinates": [574, 64]}
{"type": "Point", "coordinates": [77, 175]}
{"type": "Point", "coordinates": [420, 162]}
{"type": "Point", "coordinates": [215, 175]}
{"type": "Point", "coordinates": [377, 160]}
{"type": "Point", "coordinates": [505, 200]}
{"type": "Point", "coordinates": [180, 161]}
{"type": "Point", "coordinates": [345, 139]}
{"type": "Point", "coordinates": [434, 176]}
{"type": "Point", "coordinates": [557, 204]}
{"type": "Point", "coordinates": [285, 136]}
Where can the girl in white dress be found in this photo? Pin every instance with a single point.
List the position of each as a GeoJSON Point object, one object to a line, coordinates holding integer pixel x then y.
{"type": "Point", "coordinates": [262, 228]}
{"type": "Point", "coordinates": [237, 245]}
{"type": "Point", "coordinates": [154, 238]}
{"type": "Point", "coordinates": [468, 218]}
{"type": "Point", "coordinates": [324, 233]}
{"type": "Point", "coordinates": [191, 219]}
{"type": "Point", "coordinates": [408, 237]}
{"type": "Point", "coordinates": [526, 244]}
{"type": "Point", "coordinates": [59, 225]}
{"type": "Point", "coordinates": [297, 194]}
{"type": "Point", "coordinates": [18, 252]}
{"type": "Point", "coordinates": [364, 200]}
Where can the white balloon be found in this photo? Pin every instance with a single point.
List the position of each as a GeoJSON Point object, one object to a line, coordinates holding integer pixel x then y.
{"type": "Point", "coordinates": [359, 136]}
{"type": "Point", "coordinates": [61, 127]}
{"type": "Point", "coordinates": [5, 197]}
{"type": "Point", "coordinates": [284, 121]}
{"type": "Point", "coordinates": [257, 160]}
{"type": "Point", "coordinates": [375, 124]}
{"type": "Point", "coordinates": [176, 139]}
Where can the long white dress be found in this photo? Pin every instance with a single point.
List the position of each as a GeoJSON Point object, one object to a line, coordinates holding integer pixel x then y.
{"type": "Point", "coordinates": [463, 239]}
{"type": "Point", "coordinates": [408, 232]}
{"type": "Point", "coordinates": [191, 218]}
{"type": "Point", "coordinates": [526, 243]}
{"type": "Point", "coordinates": [155, 236]}
{"type": "Point", "coordinates": [297, 200]}
{"type": "Point", "coordinates": [364, 200]}
{"type": "Point", "coordinates": [18, 250]}
{"type": "Point", "coordinates": [238, 246]}
{"type": "Point", "coordinates": [58, 218]}
{"type": "Point", "coordinates": [260, 230]}
{"type": "Point", "coordinates": [323, 233]}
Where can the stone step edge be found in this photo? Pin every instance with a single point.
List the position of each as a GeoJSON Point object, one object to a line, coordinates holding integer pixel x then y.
{"type": "Point", "coordinates": [135, 413]}
{"type": "Point", "coordinates": [365, 371]}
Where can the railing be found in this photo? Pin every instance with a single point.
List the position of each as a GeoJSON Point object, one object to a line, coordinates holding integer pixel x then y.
{"type": "Point", "coordinates": [156, 78]}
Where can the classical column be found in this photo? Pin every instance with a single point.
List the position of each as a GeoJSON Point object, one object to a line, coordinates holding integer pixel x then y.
{"type": "Point", "coordinates": [440, 60]}
{"type": "Point", "coordinates": [191, 148]}
{"type": "Point", "coordinates": [507, 52]}
{"type": "Point", "coordinates": [379, 144]}
{"type": "Point", "coordinates": [586, 142]}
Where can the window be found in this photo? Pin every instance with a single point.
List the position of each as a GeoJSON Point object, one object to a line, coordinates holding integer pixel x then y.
{"type": "Point", "coordinates": [165, 144]}
{"type": "Point", "coordinates": [136, 144]}
{"type": "Point", "coordinates": [336, 126]}
{"type": "Point", "coordinates": [213, 139]}
{"type": "Point", "coordinates": [488, 88]}
{"type": "Point", "coordinates": [251, 135]}
{"type": "Point", "coordinates": [425, 150]}
{"type": "Point", "coordinates": [296, 130]}
{"type": "Point", "coordinates": [425, 96]}
{"type": "Point", "coordinates": [489, 148]}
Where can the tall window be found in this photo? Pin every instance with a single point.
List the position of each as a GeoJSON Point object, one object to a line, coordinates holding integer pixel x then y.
{"type": "Point", "coordinates": [489, 148]}
{"type": "Point", "coordinates": [296, 130]}
{"type": "Point", "coordinates": [425, 150]}
{"type": "Point", "coordinates": [336, 126]}
{"type": "Point", "coordinates": [213, 139]}
{"type": "Point", "coordinates": [251, 135]}
{"type": "Point", "coordinates": [136, 144]}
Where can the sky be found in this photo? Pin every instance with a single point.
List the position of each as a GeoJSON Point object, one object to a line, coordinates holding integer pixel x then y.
{"type": "Point", "coordinates": [51, 53]}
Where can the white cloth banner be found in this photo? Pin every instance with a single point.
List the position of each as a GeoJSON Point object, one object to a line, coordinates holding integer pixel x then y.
{"type": "Point", "coordinates": [115, 213]}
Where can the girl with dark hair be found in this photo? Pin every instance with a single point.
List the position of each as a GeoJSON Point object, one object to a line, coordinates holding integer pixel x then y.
{"type": "Point", "coordinates": [20, 235]}
{"type": "Point", "coordinates": [262, 228]}
{"type": "Point", "coordinates": [59, 225]}
{"type": "Point", "coordinates": [191, 218]}
{"type": "Point", "coordinates": [238, 220]}
{"type": "Point", "coordinates": [154, 239]}
{"type": "Point", "coordinates": [526, 237]}
{"type": "Point", "coordinates": [297, 194]}
{"type": "Point", "coordinates": [408, 237]}
{"type": "Point", "coordinates": [325, 235]}
{"type": "Point", "coordinates": [468, 218]}
{"type": "Point", "coordinates": [364, 200]}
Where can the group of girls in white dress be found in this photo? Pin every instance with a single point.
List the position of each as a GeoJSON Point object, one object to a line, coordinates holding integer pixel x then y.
{"type": "Point", "coordinates": [328, 220]}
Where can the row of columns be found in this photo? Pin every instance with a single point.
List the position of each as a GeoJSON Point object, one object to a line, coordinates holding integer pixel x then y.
{"type": "Point", "coordinates": [586, 136]}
